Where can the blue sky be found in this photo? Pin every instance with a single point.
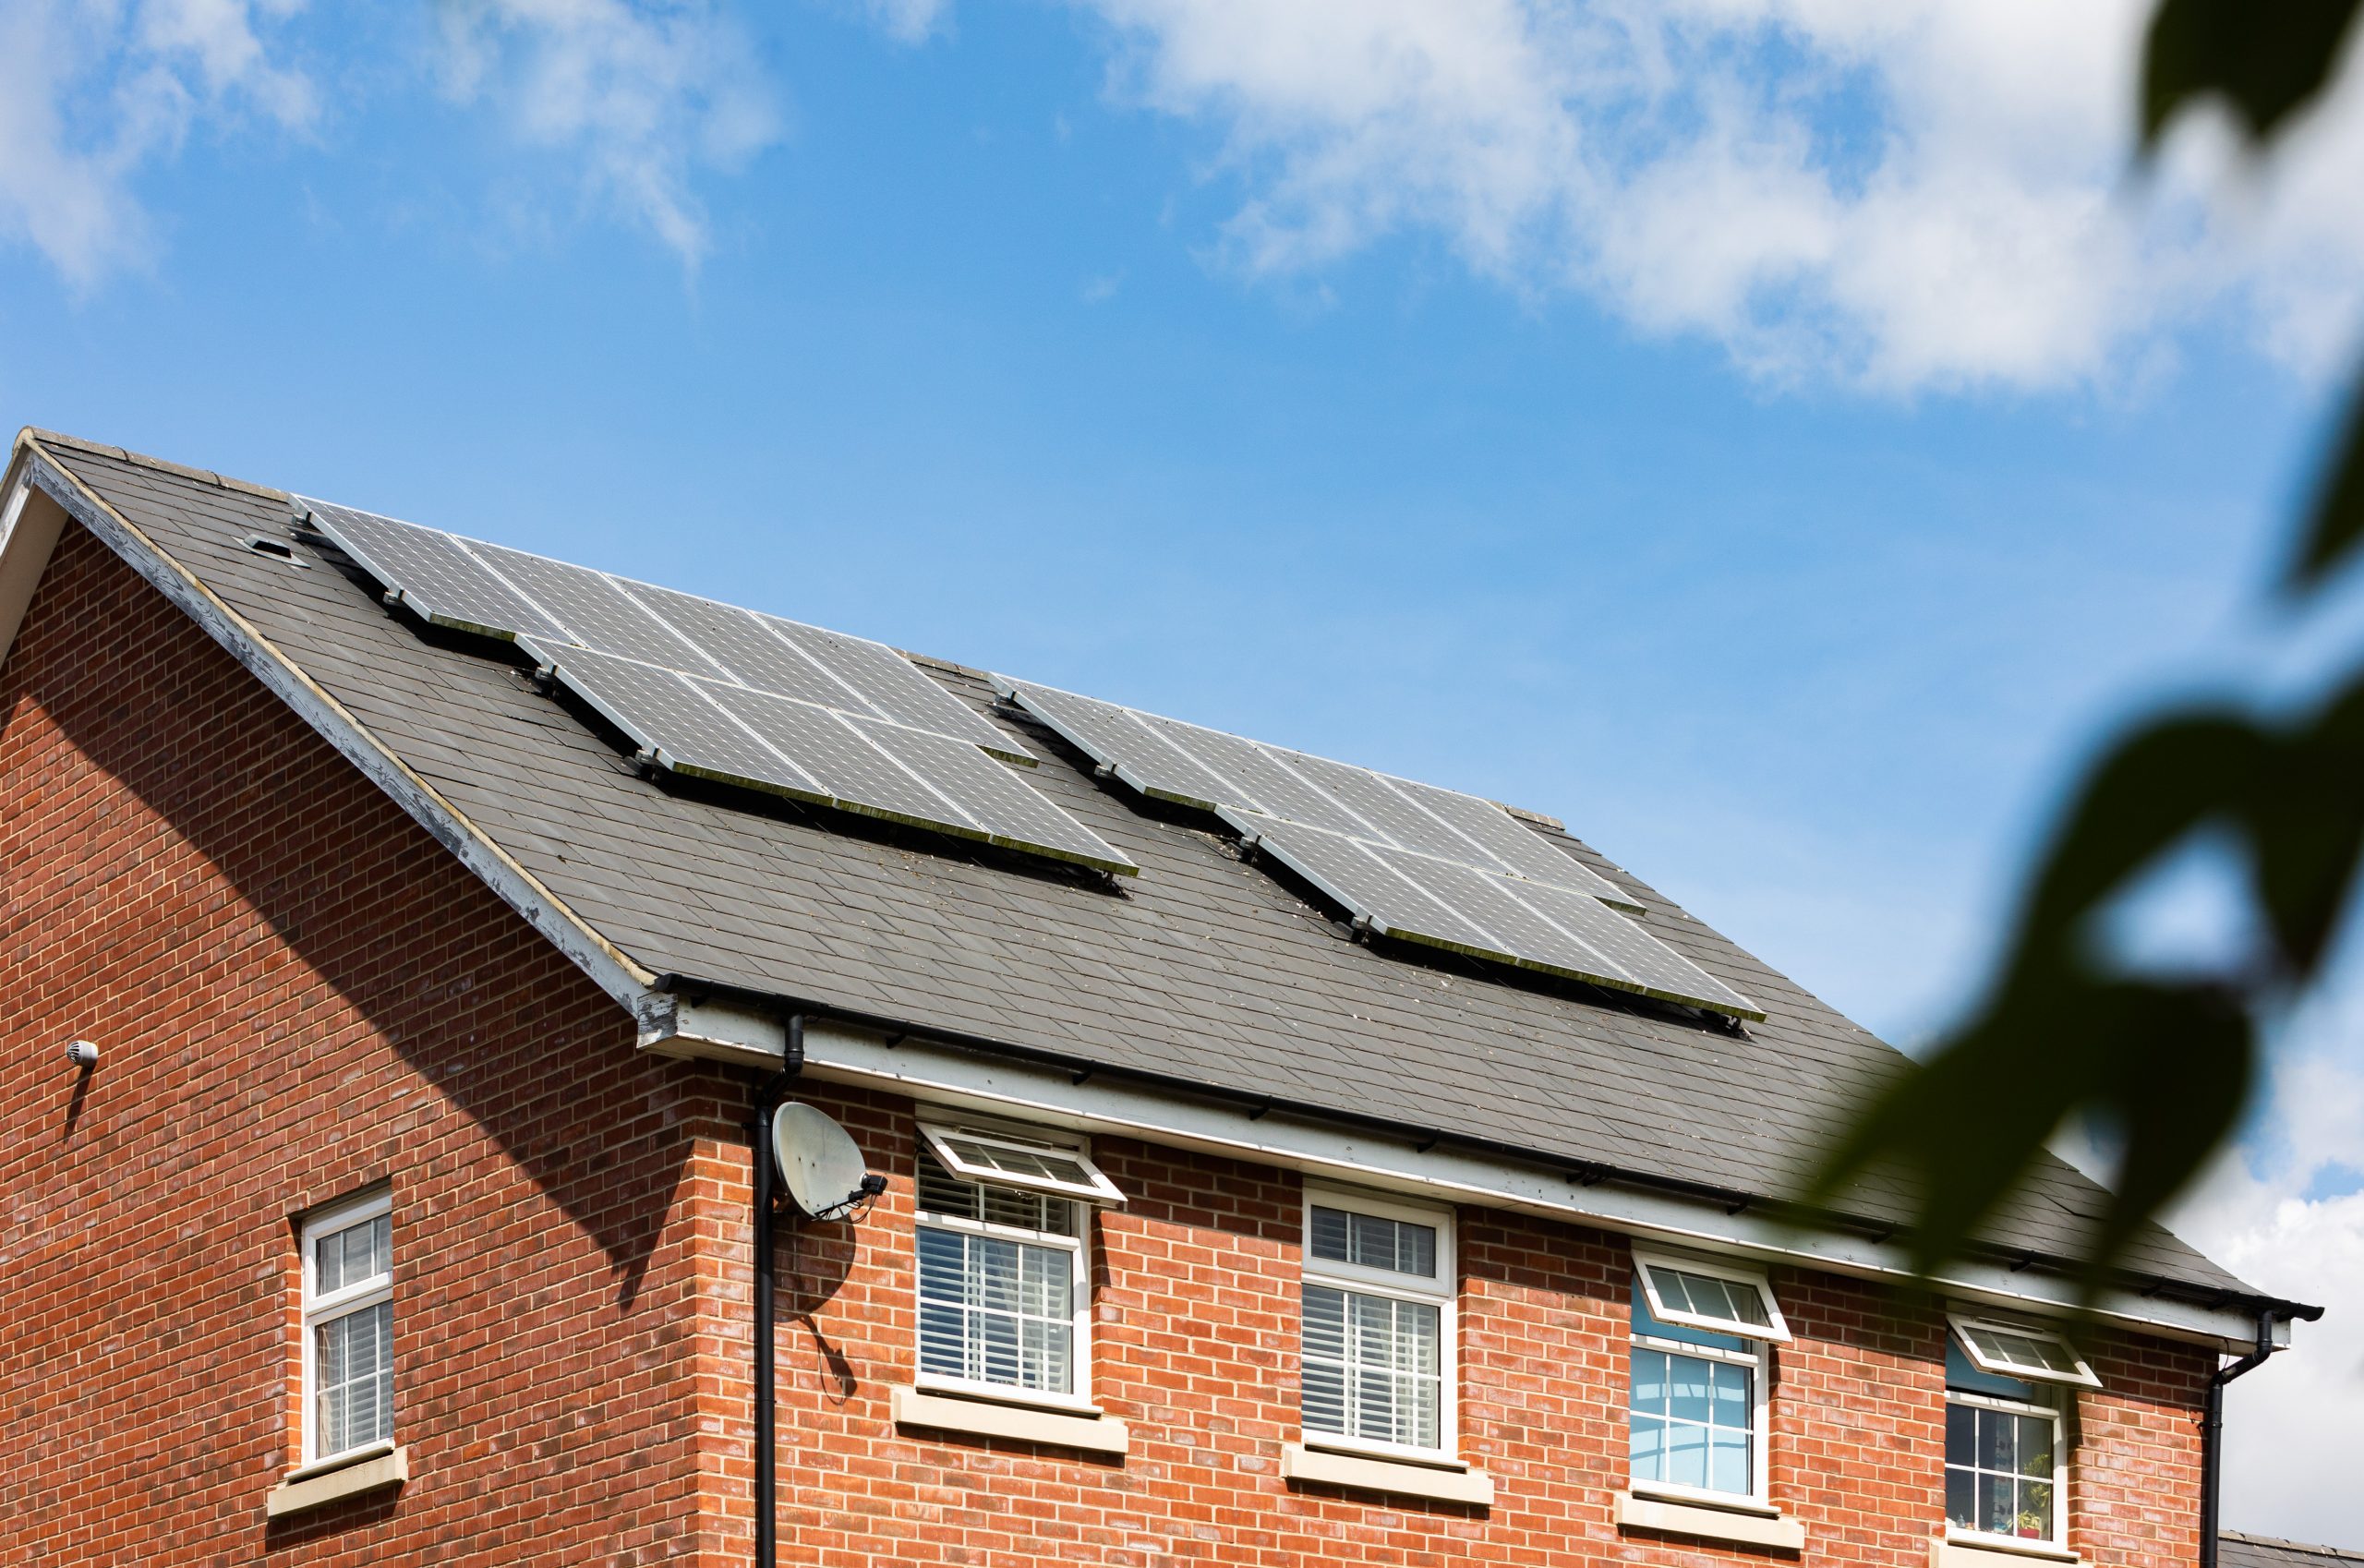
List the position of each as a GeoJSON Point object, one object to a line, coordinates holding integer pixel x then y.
{"type": "Point", "coordinates": [1740, 440]}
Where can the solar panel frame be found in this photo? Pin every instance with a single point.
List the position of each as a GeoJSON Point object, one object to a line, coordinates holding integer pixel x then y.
{"type": "Point", "coordinates": [1114, 737]}
{"type": "Point", "coordinates": [664, 713]}
{"type": "Point", "coordinates": [498, 591]}
{"type": "Point", "coordinates": [1195, 765]}
{"type": "Point", "coordinates": [1488, 915]}
{"type": "Point", "coordinates": [890, 685]}
{"type": "Point", "coordinates": [735, 734]}
{"type": "Point", "coordinates": [433, 572]}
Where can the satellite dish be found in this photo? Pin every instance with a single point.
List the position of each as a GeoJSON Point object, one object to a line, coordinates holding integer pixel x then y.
{"type": "Point", "coordinates": [818, 1163]}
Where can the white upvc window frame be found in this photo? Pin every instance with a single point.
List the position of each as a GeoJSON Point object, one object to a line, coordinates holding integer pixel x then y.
{"type": "Point", "coordinates": [1777, 1327]}
{"type": "Point", "coordinates": [944, 1140]}
{"type": "Point", "coordinates": [1443, 1294]}
{"type": "Point", "coordinates": [2058, 1418]}
{"type": "Point", "coordinates": [1078, 1396]}
{"type": "Point", "coordinates": [319, 1310]}
{"type": "Point", "coordinates": [1758, 1363]}
{"type": "Point", "coordinates": [1962, 1326]}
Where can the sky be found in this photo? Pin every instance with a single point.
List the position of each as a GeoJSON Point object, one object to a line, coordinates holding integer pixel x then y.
{"type": "Point", "coordinates": [1779, 437]}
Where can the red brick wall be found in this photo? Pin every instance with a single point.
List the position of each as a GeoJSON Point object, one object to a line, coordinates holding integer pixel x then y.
{"type": "Point", "coordinates": [1194, 1303]}
{"type": "Point", "coordinates": [296, 992]}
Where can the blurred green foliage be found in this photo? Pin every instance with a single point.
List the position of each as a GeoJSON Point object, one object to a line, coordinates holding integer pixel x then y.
{"type": "Point", "coordinates": [2164, 1061]}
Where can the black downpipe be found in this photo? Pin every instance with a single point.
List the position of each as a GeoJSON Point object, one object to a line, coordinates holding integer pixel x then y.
{"type": "Point", "coordinates": [759, 1131]}
{"type": "Point", "coordinates": [2212, 1436]}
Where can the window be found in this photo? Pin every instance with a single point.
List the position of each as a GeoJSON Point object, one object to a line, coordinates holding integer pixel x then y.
{"type": "Point", "coordinates": [1379, 1289]}
{"type": "Point", "coordinates": [1004, 1297]}
{"type": "Point", "coordinates": [2006, 1455]}
{"type": "Point", "coordinates": [1697, 1404]}
{"type": "Point", "coordinates": [348, 1329]}
{"type": "Point", "coordinates": [1011, 1161]}
{"type": "Point", "coordinates": [2010, 1350]}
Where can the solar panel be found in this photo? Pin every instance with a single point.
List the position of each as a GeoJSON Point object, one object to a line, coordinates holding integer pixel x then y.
{"type": "Point", "coordinates": [1195, 765]}
{"type": "Point", "coordinates": [511, 594]}
{"type": "Point", "coordinates": [711, 729]}
{"type": "Point", "coordinates": [433, 573]}
{"type": "Point", "coordinates": [1413, 860]}
{"type": "Point", "coordinates": [1532, 925]}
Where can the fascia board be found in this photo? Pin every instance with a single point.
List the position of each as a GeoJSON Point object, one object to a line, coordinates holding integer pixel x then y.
{"type": "Point", "coordinates": [993, 1085]}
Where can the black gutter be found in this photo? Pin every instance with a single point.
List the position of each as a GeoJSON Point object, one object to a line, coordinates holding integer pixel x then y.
{"type": "Point", "coordinates": [1590, 1172]}
{"type": "Point", "coordinates": [2212, 1435]}
{"type": "Point", "coordinates": [759, 1136]}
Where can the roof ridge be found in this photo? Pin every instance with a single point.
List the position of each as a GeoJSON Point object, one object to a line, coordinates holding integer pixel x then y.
{"type": "Point", "coordinates": [164, 466]}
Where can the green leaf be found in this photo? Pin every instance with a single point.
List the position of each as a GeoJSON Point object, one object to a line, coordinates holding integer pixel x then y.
{"type": "Point", "coordinates": [2304, 824]}
{"type": "Point", "coordinates": [2160, 784]}
{"type": "Point", "coordinates": [2336, 520]}
{"type": "Point", "coordinates": [2267, 59]}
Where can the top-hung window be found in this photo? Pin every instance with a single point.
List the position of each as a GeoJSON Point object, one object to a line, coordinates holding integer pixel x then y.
{"type": "Point", "coordinates": [1004, 1268]}
{"type": "Point", "coordinates": [1702, 1358]}
{"type": "Point", "coordinates": [2007, 1439]}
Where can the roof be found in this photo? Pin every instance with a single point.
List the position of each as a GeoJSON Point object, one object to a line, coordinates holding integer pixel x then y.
{"type": "Point", "coordinates": [2236, 1550]}
{"type": "Point", "coordinates": [1204, 970]}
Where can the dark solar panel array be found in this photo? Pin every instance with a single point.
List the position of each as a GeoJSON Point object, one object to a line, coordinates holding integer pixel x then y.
{"type": "Point", "coordinates": [713, 729]}
{"type": "Point", "coordinates": [717, 692]}
{"type": "Point", "coordinates": [489, 588]}
{"type": "Point", "coordinates": [1413, 860]}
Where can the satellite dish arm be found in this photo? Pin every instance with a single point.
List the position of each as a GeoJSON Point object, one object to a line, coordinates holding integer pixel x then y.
{"type": "Point", "coordinates": [767, 1098]}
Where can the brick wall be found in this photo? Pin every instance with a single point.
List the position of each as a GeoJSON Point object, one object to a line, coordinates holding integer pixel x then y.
{"type": "Point", "coordinates": [1195, 1298]}
{"type": "Point", "coordinates": [297, 992]}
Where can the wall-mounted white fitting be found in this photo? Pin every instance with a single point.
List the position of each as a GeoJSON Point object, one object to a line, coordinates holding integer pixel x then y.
{"type": "Point", "coordinates": [82, 1053]}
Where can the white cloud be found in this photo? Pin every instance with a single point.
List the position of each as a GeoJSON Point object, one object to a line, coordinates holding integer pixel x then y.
{"type": "Point", "coordinates": [1898, 193]}
{"type": "Point", "coordinates": [641, 94]}
{"type": "Point", "coordinates": [101, 90]}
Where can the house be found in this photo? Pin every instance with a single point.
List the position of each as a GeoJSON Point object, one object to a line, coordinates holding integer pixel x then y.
{"type": "Point", "coordinates": [1279, 1164]}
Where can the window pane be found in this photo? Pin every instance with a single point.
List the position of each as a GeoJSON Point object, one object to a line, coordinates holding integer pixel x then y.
{"type": "Point", "coordinates": [1995, 1513]}
{"type": "Point", "coordinates": [996, 1311]}
{"type": "Point", "coordinates": [1325, 1397]}
{"type": "Point", "coordinates": [1328, 1237]}
{"type": "Point", "coordinates": [354, 1367]}
{"type": "Point", "coordinates": [355, 1254]}
{"type": "Point", "coordinates": [1730, 1300]}
{"type": "Point", "coordinates": [944, 1340]}
{"type": "Point", "coordinates": [1728, 1461]}
{"type": "Point", "coordinates": [1688, 1377]}
{"type": "Point", "coordinates": [1371, 1366]}
{"type": "Point", "coordinates": [2034, 1446]}
{"type": "Point", "coordinates": [1649, 1448]}
{"type": "Point", "coordinates": [1650, 1380]}
{"type": "Point", "coordinates": [1994, 1441]}
{"type": "Point", "coordinates": [1961, 1491]}
{"type": "Point", "coordinates": [1962, 1435]}
{"type": "Point", "coordinates": [1373, 1241]}
{"type": "Point", "coordinates": [2035, 1510]}
{"type": "Point", "coordinates": [1687, 1457]}
{"type": "Point", "coordinates": [1731, 1397]}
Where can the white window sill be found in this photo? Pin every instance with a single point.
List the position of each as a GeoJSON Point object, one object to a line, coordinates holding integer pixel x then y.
{"type": "Point", "coordinates": [348, 1474]}
{"type": "Point", "coordinates": [1006, 1393]}
{"type": "Point", "coordinates": [1442, 1481]}
{"type": "Point", "coordinates": [1021, 1423]}
{"type": "Point", "coordinates": [1741, 1521]}
{"type": "Point", "coordinates": [1965, 1551]}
